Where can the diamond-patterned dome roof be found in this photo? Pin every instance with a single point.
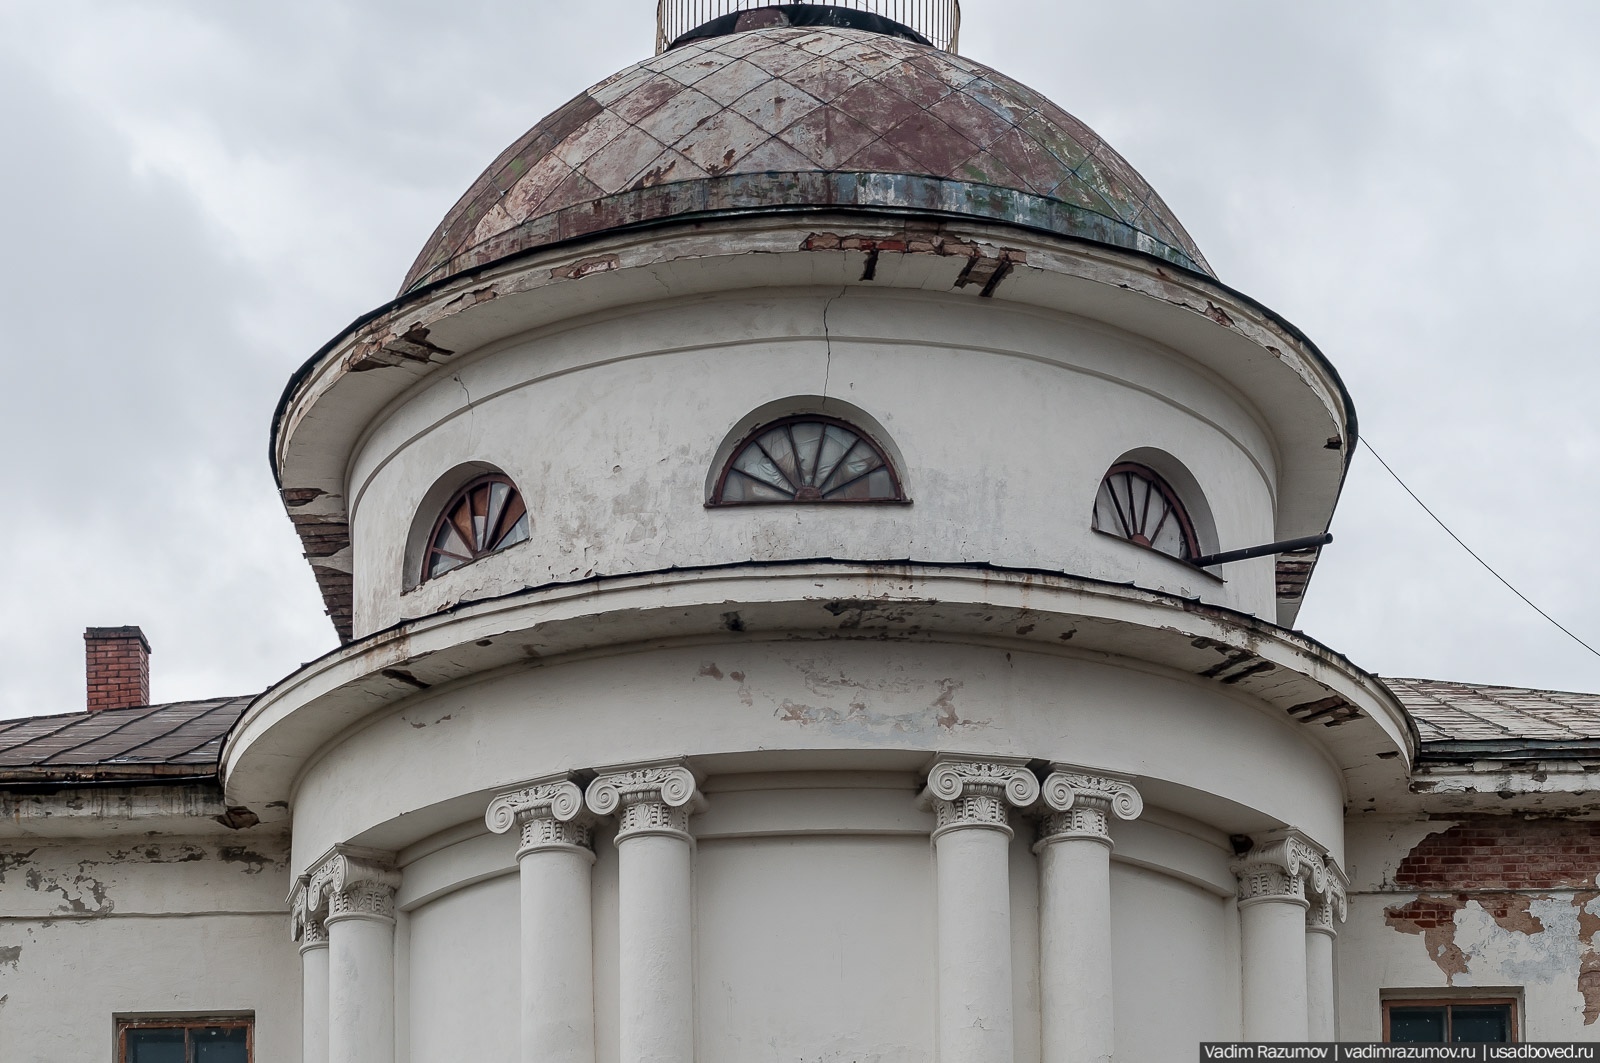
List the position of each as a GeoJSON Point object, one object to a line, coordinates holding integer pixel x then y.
{"type": "Point", "coordinates": [788, 117]}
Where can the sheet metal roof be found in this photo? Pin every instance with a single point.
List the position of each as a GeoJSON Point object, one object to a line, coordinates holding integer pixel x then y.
{"type": "Point", "coordinates": [791, 118]}
{"type": "Point", "coordinates": [1467, 712]}
{"type": "Point", "coordinates": [150, 742]}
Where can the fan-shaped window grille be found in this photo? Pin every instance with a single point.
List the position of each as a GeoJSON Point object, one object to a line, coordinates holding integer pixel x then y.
{"type": "Point", "coordinates": [483, 517]}
{"type": "Point", "coordinates": [1136, 504]}
{"type": "Point", "coordinates": [807, 459]}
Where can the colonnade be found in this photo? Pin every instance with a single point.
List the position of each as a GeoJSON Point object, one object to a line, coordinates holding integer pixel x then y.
{"type": "Point", "coordinates": [1290, 897]}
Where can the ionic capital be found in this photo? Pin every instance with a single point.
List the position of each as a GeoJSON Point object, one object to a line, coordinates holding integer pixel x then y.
{"type": "Point", "coordinates": [1283, 866]}
{"type": "Point", "coordinates": [552, 816]}
{"type": "Point", "coordinates": [648, 799]}
{"type": "Point", "coordinates": [354, 883]}
{"type": "Point", "coordinates": [1078, 805]}
{"type": "Point", "coordinates": [1331, 905]}
{"type": "Point", "coordinates": [969, 793]}
{"type": "Point", "coordinates": [305, 925]}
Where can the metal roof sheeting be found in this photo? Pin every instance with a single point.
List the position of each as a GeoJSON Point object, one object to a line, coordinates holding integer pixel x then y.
{"type": "Point", "coordinates": [1467, 712]}
{"type": "Point", "coordinates": [183, 739]}
{"type": "Point", "coordinates": [820, 118]}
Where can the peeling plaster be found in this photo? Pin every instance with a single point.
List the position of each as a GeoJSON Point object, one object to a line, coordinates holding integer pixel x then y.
{"type": "Point", "coordinates": [1440, 919]}
{"type": "Point", "coordinates": [10, 956]}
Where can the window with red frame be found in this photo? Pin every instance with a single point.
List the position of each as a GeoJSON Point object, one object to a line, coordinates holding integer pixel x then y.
{"type": "Point", "coordinates": [1136, 504]}
{"type": "Point", "coordinates": [484, 517]}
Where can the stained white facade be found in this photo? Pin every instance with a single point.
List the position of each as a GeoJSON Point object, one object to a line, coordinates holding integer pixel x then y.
{"type": "Point", "coordinates": [959, 778]}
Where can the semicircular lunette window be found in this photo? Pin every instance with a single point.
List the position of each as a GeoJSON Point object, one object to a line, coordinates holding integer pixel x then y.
{"type": "Point", "coordinates": [1136, 504]}
{"type": "Point", "coordinates": [807, 459]}
{"type": "Point", "coordinates": [482, 518]}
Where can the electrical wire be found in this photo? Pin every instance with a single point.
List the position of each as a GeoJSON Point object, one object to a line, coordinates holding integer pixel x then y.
{"type": "Point", "coordinates": [1487, 567]}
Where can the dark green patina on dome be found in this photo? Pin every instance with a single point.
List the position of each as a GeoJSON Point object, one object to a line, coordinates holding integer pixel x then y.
{"type": "Point", "coordinates": [791, 118]}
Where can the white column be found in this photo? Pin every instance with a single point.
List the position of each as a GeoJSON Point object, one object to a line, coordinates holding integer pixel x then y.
{"type": "Point", "coordinates": [655, 928]}
{"type": "Point", "coordinates": [1074, 850]}
{"type": "Point", "coordinates": [971, 840]}
{"type": "Point", "coordinates": [312, 934]}
{"type": "Point", "coordinates": [1273, 877]}
{"type": "Point", "coordinates": [358, 887]}
{"type": "Point", "coordinates": [1328, 909]}
{"type": "Point", "coordinates": [557, 921]}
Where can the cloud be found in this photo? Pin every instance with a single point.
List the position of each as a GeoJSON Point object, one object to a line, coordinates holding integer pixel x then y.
{"type": "Point", "coordinates": [200, 195]}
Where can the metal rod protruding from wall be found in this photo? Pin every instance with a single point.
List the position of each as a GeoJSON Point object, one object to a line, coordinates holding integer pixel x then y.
{"type": "Point", "coordinates": [1288, 546]}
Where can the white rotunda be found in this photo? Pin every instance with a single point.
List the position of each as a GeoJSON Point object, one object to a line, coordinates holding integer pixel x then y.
{"type": "Point", "coordinates": [764, 529]}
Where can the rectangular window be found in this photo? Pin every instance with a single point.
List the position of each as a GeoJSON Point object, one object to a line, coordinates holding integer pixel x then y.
{"type": "Point", "coordinates": [1462, 1021]}
{"type": "Point", "coordinates": [185, 1041]}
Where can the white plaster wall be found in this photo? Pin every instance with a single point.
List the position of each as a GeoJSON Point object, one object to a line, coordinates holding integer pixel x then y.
{"type": "Point", "coordinates": [463, 963]}
{"type": "Point", "coordinates": [90, 932]}
{"type": "Point", "coordinates": [815, 933]}
{"type": "Point", "coordinates": [1007, 418]}
{"type": "Point", "coordinates": [1175, 972]}
{"type": "Point", "coordinates": [815, 948]}
{"type": "Point", "coordinates": [835, 702]}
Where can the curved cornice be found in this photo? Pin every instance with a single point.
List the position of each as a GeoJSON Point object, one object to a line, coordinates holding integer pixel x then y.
{"type": "Point", "coordinates": [337, 396]}
{"type": "Point", "coordinates": [1346, 711]}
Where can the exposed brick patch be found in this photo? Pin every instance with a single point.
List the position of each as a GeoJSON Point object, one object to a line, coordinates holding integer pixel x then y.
{"type": "Point", "coordinates": [1434, 918]}
{"type": "Point", "coordinates": [1589, 986]}
{"type": "Point", "coordinates": [1505, 853]}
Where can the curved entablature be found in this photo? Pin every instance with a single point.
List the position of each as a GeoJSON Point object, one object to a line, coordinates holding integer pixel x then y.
{"type": "Point", "coordinates": [1309, 694]}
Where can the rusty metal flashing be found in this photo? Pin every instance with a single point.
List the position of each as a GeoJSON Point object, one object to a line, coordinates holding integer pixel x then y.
{"type": "Point", "coordinates": [811, 191]}
{"type": "Point", "coordinates": [116, 777]}
{"type": "Point", "coordinates": [1459, 752]}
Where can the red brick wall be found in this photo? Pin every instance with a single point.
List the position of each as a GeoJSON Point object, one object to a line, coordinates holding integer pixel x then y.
{"type": "Point", "coordinates": [118, 667]}
{"type": "Point", "coordinates": [1505, 853]}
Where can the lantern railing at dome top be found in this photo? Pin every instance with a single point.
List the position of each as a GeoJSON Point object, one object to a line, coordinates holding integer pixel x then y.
{"type": "Point", "coordinates": [937, 20]}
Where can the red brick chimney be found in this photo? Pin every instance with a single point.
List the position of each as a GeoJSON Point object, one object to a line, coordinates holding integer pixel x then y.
{"type": "Point", "coordinates": [118, 667]}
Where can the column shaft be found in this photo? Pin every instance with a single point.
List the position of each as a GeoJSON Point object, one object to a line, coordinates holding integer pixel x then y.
{"type": "Point", "coordinates": [357, 888]}
{"type": "Point", "coordinates": [656, 987]}
{"type": "Point", "coordinates": [557, 938]}
{"type": "Point", "coordinates": [361, 990]}
{"type": "Point", "coordinates": [1075, 952]}
{"type": "Point", "coordinates": [314, 1007]}
{"type": "Point", "coordinates": [655, 923]}
{"type": "Point", "coordinates": [557, 958]}
{"type": "Point", "coordinates": [1273, 951]}
{"type": "Point", "coordinates": [974, 905]}
{"type": "Point", "coordinates": [972, 843]}
{"type": "Point", "coordinates": [1321, 1023]}
{"type": "Point", "coordinates": [1074, 850]}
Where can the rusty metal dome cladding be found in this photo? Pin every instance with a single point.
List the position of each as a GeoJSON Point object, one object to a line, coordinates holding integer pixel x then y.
{"type": "Point", "coordinates": [787, 118]}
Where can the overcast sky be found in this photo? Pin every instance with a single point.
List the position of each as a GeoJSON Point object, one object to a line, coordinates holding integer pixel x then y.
{"type": "Point", "coordinates": [196, 195]}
